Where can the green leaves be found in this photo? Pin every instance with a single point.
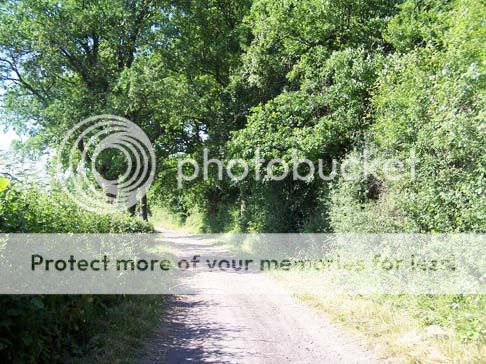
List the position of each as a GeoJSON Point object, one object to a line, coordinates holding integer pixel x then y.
{"type": "Point", "coordinates": [430, 98]}
{"type": "Point", "coordinates": [319, 78]}
{"type": "Point", "coordinates": [27, 210]}
{"type": "Point", "coordinates": [4, 183]}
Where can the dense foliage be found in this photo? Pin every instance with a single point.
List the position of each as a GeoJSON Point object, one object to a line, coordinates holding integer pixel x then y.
{"type": "Point", "coordinates": [328, 80]}
{"type": "Point", "coordinates": [429, 97]}
{"type": "Point", "coordinates": [49, 328]}
{"type": "Point", "coordinates": [316, 79]}
{"type": "Point", "coordinates": [31, 211]}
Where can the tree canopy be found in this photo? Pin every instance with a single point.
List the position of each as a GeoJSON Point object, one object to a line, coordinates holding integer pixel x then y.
{"type": "Point", "coordinates": [316, 79]}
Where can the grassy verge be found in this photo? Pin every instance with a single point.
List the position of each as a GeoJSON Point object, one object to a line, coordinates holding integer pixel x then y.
{"type": "Point", "coordinates": [121, 333]}
{"type": "Point", "coordinates": [395, 327]}
{"type": "Point", "coordinates": [403, 328]}
{"type": "Point", "coordinates": [162, 219]}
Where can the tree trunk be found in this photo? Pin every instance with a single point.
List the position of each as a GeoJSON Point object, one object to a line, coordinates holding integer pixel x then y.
{"type": "Point", "coordinates": [132, 210]}
{"type": "Point", "coordinates": [144, 208]}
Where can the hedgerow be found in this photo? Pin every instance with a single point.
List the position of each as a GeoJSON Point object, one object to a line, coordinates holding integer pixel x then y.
{"type": "Point", "coordinates": [52, 328]}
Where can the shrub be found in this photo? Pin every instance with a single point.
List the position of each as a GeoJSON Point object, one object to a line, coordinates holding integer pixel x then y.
{"type": "Point", "coordinates": [49, 328]}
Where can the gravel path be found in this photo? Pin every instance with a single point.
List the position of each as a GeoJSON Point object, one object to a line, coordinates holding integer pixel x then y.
{"type": "Point", "coordinates": [218, 327]}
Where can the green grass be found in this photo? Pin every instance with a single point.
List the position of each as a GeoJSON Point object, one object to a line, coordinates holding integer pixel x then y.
{"type": "Point", "coordinates": [119, 336]}
{"type": "Point", "coordinates": [395, 327]}
{"type": "Point", "coordinates": [162, 219]}
{"type": "Point", "coordinates": [402, 328]}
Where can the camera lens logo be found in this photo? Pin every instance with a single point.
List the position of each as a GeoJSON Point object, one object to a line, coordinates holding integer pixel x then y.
{"type": "Point", "coordinates": [88, 142]}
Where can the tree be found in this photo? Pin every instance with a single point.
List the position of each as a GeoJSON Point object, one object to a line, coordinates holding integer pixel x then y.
{"type": "Point", "coordinates": [62, 62]}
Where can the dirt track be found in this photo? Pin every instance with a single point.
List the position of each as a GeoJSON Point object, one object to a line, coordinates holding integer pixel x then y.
{"type": "Point", "coordinates": [217, 326]}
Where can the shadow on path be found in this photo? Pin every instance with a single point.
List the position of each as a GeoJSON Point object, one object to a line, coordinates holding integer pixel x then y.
{"type": "Point", "coordinates": [188, 338]}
